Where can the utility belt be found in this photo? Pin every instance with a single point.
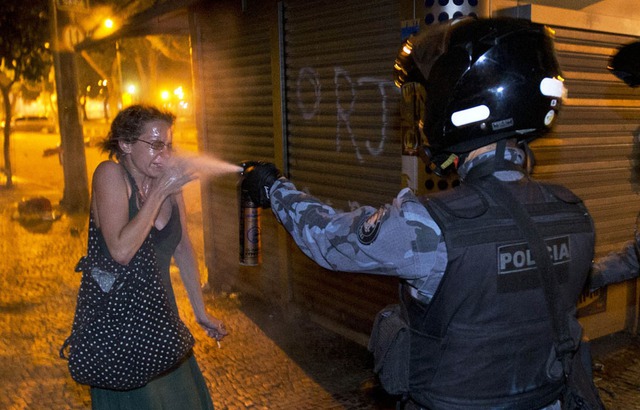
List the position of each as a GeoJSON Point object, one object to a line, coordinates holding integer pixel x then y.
{"type": "Point", "coordinates": [390, 344]}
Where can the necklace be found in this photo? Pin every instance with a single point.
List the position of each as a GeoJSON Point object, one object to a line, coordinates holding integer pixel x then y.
{"type": "Point", "coordinates": [140, 196]}
{"type": "Point", "coordinates": [142, 193]}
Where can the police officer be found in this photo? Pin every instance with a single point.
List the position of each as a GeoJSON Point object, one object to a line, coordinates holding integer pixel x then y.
{"type": "Point", "coordinates": [624, 264]}
{"type": "Point", "coordinates": [480, 330]}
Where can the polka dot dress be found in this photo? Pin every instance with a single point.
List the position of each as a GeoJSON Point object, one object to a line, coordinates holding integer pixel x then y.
{"type": "Point", "coordinates": [124, 331]}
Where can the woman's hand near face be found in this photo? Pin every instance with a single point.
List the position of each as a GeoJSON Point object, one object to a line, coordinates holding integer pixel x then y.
{"type": "Point", "coordinates": [176, 175]}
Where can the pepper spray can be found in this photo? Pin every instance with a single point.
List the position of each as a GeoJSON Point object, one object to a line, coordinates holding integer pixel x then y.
{"type": "Point", "coordinates": [249, 222]}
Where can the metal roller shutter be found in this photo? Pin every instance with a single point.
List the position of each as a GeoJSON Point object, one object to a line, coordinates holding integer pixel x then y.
{"type": "Point", "coordinates": [592, 149]}
{"type": "Point", "coordinates": [342, 134]}
{"type": "Point", "coordinates": [237, 110]}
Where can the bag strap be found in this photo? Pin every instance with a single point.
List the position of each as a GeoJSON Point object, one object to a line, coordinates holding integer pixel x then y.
{"type": "Point", "coordinates": [538, 247]}
{"type": "Point", "coordinates": [565, 345]}
{"type": "Point", "coordinates": [136, 194]}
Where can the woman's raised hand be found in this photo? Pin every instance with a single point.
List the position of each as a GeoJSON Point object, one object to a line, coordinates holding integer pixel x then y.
{"type": "Point", "coordinates": [177, 173]}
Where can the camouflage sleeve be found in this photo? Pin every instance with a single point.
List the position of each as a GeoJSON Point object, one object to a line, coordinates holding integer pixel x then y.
{"type": "Point", "coordinates": [615, 267]}
{"type": "Point", "coordinates": [399, 239]}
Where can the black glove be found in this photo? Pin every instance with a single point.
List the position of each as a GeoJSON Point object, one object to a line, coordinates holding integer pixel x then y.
{"type": "Point", "coordinates": [258, 178]}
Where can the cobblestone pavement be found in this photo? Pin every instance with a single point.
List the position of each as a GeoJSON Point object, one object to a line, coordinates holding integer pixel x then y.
{"type": "Point", "coordinates": [268, 362]}
{"type": "Point", "coordinates": [616, 361]}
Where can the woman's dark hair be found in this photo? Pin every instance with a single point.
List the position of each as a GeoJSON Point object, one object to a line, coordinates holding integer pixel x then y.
{"type": "Point", "coordinates": [128, 125]}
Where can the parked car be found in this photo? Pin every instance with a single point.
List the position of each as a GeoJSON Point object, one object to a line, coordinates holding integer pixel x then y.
{"type": "Point", "coordinates": [33, 123]}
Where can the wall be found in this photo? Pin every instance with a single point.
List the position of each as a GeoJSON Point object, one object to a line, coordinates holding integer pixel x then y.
{"type": "Point", "coordinates": [614, 16]}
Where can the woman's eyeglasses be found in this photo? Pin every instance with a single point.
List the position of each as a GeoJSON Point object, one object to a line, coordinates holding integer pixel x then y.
{"type": "Point", "coordinates": [158, 145]}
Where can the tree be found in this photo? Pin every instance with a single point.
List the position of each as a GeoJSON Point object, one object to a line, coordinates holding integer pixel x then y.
{"type": "Point", "coordinates": [75, 197]}
{"type": "Point", "coordinates": [25, 57]}
{"type": "Point", "coordinates": [142, 60]}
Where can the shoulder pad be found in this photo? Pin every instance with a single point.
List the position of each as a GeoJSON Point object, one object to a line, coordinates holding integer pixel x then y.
{"type": "Point", "coordinates": [562, 193]}
{"type": "Point", "coordinates": [461, 202]}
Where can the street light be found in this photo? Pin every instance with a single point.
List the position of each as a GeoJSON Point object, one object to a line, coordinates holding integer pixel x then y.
{"type": "Point", "coordinates": [128, 96]}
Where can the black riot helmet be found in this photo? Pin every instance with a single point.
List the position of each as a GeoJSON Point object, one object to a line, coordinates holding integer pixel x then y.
{"type": "Point", "coordinates": [485, 80]}
{"type": "Point", "coordinates": [625, 64]}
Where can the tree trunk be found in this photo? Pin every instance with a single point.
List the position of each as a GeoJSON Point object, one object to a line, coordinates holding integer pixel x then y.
{"type": "Point", "coordinates": [74, 164]}
{"type": "Point", "coordinates": [7, 136]}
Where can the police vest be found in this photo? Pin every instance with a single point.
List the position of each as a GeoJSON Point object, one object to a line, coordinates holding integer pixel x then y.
{"type": "Point", "coordinates": [485, 340]}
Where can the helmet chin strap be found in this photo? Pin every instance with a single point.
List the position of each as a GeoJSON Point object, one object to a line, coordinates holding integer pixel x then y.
{"type": "Point", "coordinates": [499, 162]}
{"type": "Point", "coordinates": [529, 158]}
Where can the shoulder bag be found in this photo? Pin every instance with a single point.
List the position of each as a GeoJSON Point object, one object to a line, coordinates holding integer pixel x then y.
{"type": "Point", "coordinates": [124, 332]}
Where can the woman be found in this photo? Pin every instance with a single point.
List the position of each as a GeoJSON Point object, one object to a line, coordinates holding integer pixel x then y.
{"type": "Point", "coordinates": [142, 174]}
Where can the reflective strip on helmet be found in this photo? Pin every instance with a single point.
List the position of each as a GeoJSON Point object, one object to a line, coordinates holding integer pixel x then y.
{"type": "Point", "coordinates": [552, 87]}
{"type": "Point", "coordinates": [473, 114]}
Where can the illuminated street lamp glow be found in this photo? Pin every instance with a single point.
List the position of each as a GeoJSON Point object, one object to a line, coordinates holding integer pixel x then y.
{"type": "Point", "coordinates": [164, 95]}
{"type": "Point", "coordinates": [178, 92]}
{"type": "Point", "coordinates": [108, 23]}
{"type": "Point", "coordinates": [131, 89]}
